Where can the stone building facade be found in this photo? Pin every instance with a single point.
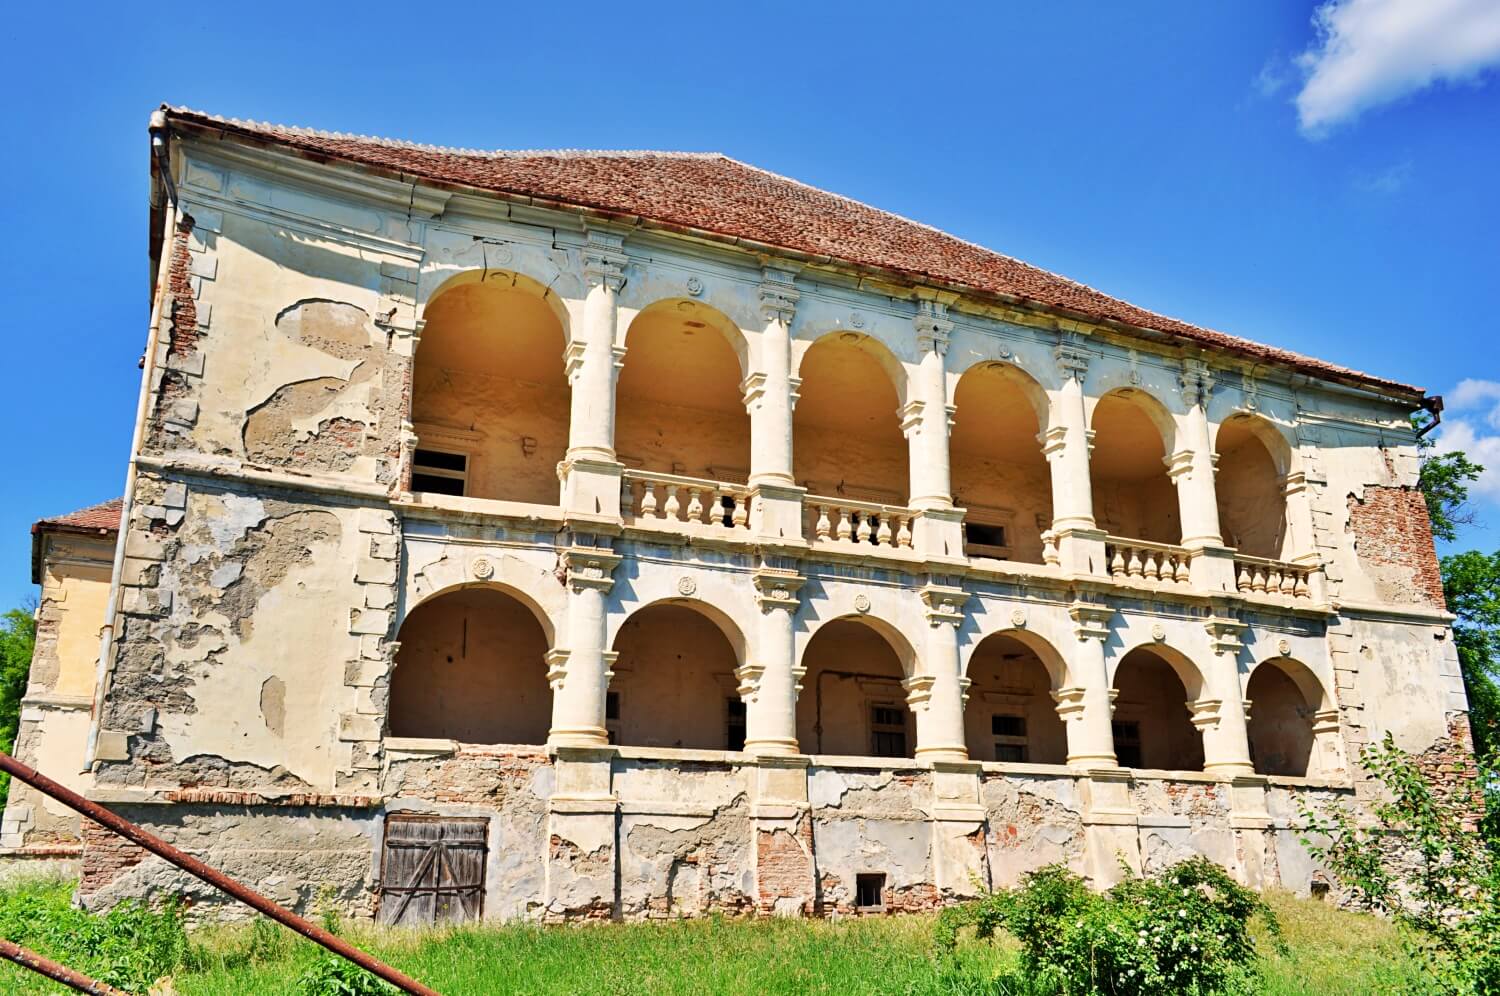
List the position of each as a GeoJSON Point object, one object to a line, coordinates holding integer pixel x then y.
{"type": "Point", "coordinates": [659, 535]}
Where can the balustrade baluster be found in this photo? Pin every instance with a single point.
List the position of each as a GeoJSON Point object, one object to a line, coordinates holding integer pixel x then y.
{"type": "Point", "coordinates": [1184, 574]}
{"type": "Point", "coordinates": [648, 500]}
{"type": "Point", "coordinates": [1135, 568]}
{"type": "Point", "coordinates": [846, 529]}
{"type": "Point", "coordinates": [627, 496]}
{"type": "Point", "coordinates": [672, 506]}
{"type": "Point", "coordinates": [863, 533]}
{"type": "Point", "coordinates": [694, 506]}
{"type": "Point", "coordinates": [824, 528]}
{"type": "Point", "coordinates": [903, 531]}
{"type": "Point", "coordinates": [883, 533]}
{"type": "Point", "coordinates": [739, 515]}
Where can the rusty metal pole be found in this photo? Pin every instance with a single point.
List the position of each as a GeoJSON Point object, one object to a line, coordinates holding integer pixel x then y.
{"type": "Point", "coordinates": [57, 973]}
{"type": "Point", "coordinates": [212, 876]}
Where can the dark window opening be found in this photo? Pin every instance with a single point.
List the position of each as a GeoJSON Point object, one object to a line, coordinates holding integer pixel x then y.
{"type": "Point", "coordinates": [869, 892]}
{"type": "Point", "coordinates": [437, 472]}
{"type": "Point", "coordinates": [980, 534]}
{"type": "Point", "coordinates": [1127, 743]}
{"type": "Point", "coordinates": [1008, 726]}
{"type": "Point", "coordinates": [734, 724]}
{"type": "Point", "coordinates": [887, 731]}
{"type": "Point", "coordinates": [612, 716]}
{"type": "Point", "coordinates": [1009, 732]}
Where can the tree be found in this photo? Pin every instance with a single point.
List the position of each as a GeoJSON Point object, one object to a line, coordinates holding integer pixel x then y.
{"type": "Point", "coordinates": [17, 641]}
{"type": "Point", "coordinates": [1444, 481]}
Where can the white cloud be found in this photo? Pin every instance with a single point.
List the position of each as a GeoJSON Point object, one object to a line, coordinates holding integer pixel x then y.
{"type": "Point", "coordinates": [1275, 76]}
{"type": "Point", "coordinates": [1475, 430]}
{"type": "Point", "coordinates": [1371, 52]}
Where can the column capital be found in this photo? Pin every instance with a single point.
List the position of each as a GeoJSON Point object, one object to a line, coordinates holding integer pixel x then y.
{"type": "Point", "coordinates": [1072, 361]}
{"type": "Point", "coordinates": [1197, 382]}
{"type": "Point", "coordinates": [777, 588]}
{"type": "Point", "coordinates": [933, 326]}
{"type": "Point", "coordinates": [1091, 620]}
{"type": "Point", "coordinates": [589, 567]}
{"type": "Point", "coordinates": [1224, 634]}
{"type": "Point", "coordinates": [1205, 713]}
{"type": "Point", "coordinates": [604, 260]}
{"type": "Point", "coordinates": [778, 294]}
{"type": "Point", "coordinates": [944, 604]}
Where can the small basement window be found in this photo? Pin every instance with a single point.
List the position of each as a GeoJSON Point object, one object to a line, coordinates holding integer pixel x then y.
{"type": "Point", "coordinates": [1009, 732]}
{"type": "Point", "coordinates": [1127, 742]}
{"type": "Point", "coordinates": [734, 723]}
{"type": "Point", "coordinates": [981, 534]}
{"type": "Point", "coordinates": [869, 892]}
{"type": "Point", "coordinates": [887, 731]}
{"type": "Point", "coordinates": [438, 472]}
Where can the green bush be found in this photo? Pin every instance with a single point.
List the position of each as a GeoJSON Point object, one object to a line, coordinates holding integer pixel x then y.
{"type": "Point", "coordinates": [331, 975]}
{"type": "Point", "coordinates": [1185, 930]}
{"type": "Point", "coordinates": [1424, 864]}
{"type": "Point", "coordinates": [131, 946]}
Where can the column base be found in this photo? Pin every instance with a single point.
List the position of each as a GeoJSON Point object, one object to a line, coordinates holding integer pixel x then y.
{"type": "Point", "coordinates": [1094, 762]}
{"type": "Point", "coordinates": [1231, 769]}
{"type": "Point", "coordinates": [580, 736]}
{"type": "Point", "coordinates": [943, 752]}
{"type": "Point", "coordinates": [773, 747]}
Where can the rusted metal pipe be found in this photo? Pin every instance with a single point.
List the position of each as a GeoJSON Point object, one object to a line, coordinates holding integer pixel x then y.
{"type": "Point", "coordinates": [27, 958]}
{"type": "Point", "coordinates": [124, 828]}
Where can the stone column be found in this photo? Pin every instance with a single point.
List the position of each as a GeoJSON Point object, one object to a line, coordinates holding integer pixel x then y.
{"type": "Point", "coordinates": [1302, 544]}
{"type": "Point", "coordinates": [1221, 713]}
{"type": "Point", "coordinates": [1191, 468]}
{"type": "Point", "coordinates": [770, 682]}
{"type": "Point", "coordinates": [937, 527]}
{"type": "Point", "coordinates": [1087, 707]}
{"type": "Point", "coordinates": [770, 396]}
{"type": "Point", "coordinates": [579, 672]}
{"type": "Point", "coordinates": [1066, 444]}
{"type": "Point", "coordinates": [938, 691]}
{"type": "Point", "coordinates": [590, 473]}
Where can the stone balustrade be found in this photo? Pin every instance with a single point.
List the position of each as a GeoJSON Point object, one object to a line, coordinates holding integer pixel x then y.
{"type": "Point", "coordinates": [653, 497]}
{"type": "Point", "coordinates": [842, 521]}
{"type": "Point", "coordinates": [1257, 575]}
{"type": "Point", "coordinates": [1141, 560]}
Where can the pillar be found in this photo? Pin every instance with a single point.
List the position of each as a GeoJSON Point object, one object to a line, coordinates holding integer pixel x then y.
{"type": "Point", "coordinates": [1302, 546]}
{"type": "Point", "coordinates": [769, 682]}
{"type": "Point", "coordinates": [1087, 707]}
{"type": "Point", "coordinates": [579, 671]}
{"type": "Point", "coordinates": [1066, 443]}
{"type": "Point", "coordinates": [590, 473]}
{"type": "Point", "coordinates": [1191, 468]}
{"type": "Point", "coordinates": [1221, 713]}
{"type": "Point", "coordinates": [770, 396]}
{"type": "Point", "coordinates": [937, 691]}
{"type": "Point", "coordinates": [937, 527]}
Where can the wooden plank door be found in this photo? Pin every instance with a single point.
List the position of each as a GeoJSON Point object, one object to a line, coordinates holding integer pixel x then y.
{"type": "Point", "coordinates": [432, 869]}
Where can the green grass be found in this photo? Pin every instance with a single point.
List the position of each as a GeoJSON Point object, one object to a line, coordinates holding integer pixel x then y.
{"type": "Point", "coordinates": [1330, 953]}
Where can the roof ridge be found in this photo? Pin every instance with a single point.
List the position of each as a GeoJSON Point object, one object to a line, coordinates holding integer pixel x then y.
{"type": "Point", "coordinates": [300, 131]}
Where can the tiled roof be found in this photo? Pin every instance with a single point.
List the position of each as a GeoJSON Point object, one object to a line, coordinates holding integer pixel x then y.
{"type": "Point", "coordinates": [711, 194]}
{"type": "Point", "coordinates": [104, 516]}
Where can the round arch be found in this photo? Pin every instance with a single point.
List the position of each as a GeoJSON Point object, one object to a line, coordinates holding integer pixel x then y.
{"type": "Point", "coordinates": [695, 316]}
{"type": "Point", "coordinates": [503, 279]}
{"type": "Point", "coordinates": [883, 355]}
{"type": "Point", "coordinates": [853, 699]}
{"type": "Point", "coordinates": [722, 620]}
{"type": "Point", "coordinates": [1011, 713]}
{"type": "Point", "coordinates": [1144, 401]}
{"type": "Point", "coordinates": [1284, 697]}
{"type": "Point", "coordinates": [1048, 655]}
{"type": "Point", "coordinates": [1155, 685]}
{"type": "Point", "coordinates": [905, 652]}
{"type": "Point", "coordinates": [1133, 438]}
{"type": "Point", "coordinates": [1283, 451]}
{"type": "Point", "coordinates": [846, 426]}
{"type": "Point", "coordinates": [1015, 378]}
{"type": "Point", "coordinates": [471, 667]}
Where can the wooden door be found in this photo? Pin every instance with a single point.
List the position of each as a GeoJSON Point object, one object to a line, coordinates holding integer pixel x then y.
{"type": "Point", "coordinates": [432, 869]}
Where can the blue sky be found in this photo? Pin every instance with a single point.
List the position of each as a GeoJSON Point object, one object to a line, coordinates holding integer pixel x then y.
{"type": "Point", "coordinates": [1282, 171]}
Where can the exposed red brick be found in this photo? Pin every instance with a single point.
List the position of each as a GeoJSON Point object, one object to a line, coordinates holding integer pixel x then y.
{"type": "Point", "coordinates": [783, 865]}
{"type": "Point", "coordinates": [105, 856]}
{"type": "Point", "coordinates": [1392, 529]}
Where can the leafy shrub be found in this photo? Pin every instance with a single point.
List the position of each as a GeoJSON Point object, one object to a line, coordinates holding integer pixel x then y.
{"type": "Point", "coordinates": [1185, 930]}
{"type": "Point", "coordinates": [331, 975]}
{"type": "Point", "coordinates": [131, 946]}
{"type": "Point", "coordinates": [1423, 864]}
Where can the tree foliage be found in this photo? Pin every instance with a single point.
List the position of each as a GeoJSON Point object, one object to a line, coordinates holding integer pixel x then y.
{"type": "Point", "coordinates": [1421, 864]}
{"type": "Point", "coordinates": [1444, 481]}
{"type": "Point", "coordinates": [17, 641]}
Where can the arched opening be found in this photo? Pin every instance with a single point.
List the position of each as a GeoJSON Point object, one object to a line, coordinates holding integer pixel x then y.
{"type": "Point", "coordinates": [852, 701]}
{"type": "Point", "coordinates": [1133, 496]}
{"type": "Point", "coordinates": [1252, 502]}
{"type": "Point", "coordinates": [847, 439]}
{"type": "Point", "coordinates": [489, 395]}
{"type": "Point", "coordinates": [1283, 699]}
{"type": "Point", "coordinates": [1000, 476]}
{"type": "Point", "coordinates": [1152, 724]}
{"type": "Point", "coordinates": [472, 667]}
{"type": "Point", "coordinates": [674, 683]}
{"type": "Point", "coordinates": [679, 407]}
{"type": "Point", "coordinates": [1011, 715]}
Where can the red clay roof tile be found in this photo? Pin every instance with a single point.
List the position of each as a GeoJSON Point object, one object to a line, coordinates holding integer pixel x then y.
{"type": "Point", "coordinates": [713, 194]}
{"type": "Point", "coordinates": [103, 516]}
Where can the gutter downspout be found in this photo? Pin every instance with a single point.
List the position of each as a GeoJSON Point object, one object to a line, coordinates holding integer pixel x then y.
{"type": "Point", "coordinates": [1434, 404]}
{"type": "Point", "coordinates": [102, 669]}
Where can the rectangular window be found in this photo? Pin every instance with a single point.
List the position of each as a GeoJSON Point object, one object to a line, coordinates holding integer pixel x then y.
{"type": "Point", "coordinates": [887, 731]}
{"type": "Point", "coordinates": [869, 893]}
{"type": "Point", "coordinates": [1127, 743]}
{"type": "Point", "coordinates": [981, 534]}
{"type": "Point", "coordinates": [438, 472]}
{"type": "Point", "coordinates": [734, 723]}
{"type": "Point", "coordinates": [612, 716]}
{"type": "Point", "coordinates": [1009, 732]}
